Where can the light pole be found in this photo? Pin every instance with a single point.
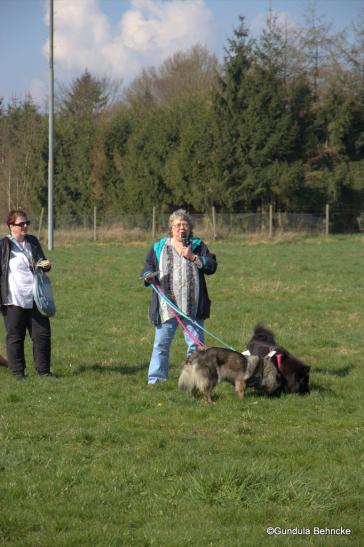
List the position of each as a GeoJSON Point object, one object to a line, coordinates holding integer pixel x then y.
{"type": "Point", "coordinates": [51, 131]}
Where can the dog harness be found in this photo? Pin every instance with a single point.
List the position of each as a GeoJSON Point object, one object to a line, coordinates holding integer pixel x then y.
{"type": "Point", "coordinates": [271, 354]}
{"type": "Point", "coordinates": [278, 357]}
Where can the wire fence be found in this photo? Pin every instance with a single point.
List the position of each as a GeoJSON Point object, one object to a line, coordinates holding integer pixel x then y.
{"type": "Point", "coordinates": [212, 225]}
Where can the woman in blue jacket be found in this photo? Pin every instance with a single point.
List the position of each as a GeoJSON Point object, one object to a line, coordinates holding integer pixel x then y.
{"type": "Point", "coordinates": [182, 261]}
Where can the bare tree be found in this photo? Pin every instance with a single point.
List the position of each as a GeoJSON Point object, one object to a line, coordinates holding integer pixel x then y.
{"type": "Point", "coordinates": [182, 75]}
{"type": "Point", "coordinates": [20, 138]}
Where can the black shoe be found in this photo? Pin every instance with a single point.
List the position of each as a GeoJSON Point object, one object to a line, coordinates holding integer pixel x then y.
{"type": "Point", "coordinates": [47, 375]}
{"type": "Point", "coordinates": [19, 377]}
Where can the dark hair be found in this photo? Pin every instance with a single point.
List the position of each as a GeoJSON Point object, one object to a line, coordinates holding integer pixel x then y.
{"type": "Point", "coordinates": [11, 218]}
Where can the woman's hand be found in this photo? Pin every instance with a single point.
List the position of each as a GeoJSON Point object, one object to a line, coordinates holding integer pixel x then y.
{"type": "Point", "coordinates": [44, 265]}
{"type": "Point", "coordinates": [187, 253]}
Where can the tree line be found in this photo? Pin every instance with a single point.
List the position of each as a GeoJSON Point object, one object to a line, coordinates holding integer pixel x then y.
{"type": "Point", "coordinates": [279, 121]}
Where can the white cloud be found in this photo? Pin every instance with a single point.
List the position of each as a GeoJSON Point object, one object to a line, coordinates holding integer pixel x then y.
{"type": "Point", "coordinates": [146, 34]}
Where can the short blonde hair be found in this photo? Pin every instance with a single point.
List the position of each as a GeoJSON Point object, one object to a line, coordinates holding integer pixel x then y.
{"type": "Point", "coordinates": [180, 214]}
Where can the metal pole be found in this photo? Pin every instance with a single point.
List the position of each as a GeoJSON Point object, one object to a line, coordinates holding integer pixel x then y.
{"type": "Point", "coordinates": [327, 219]}
{"type": "Point", "coordinates": [270, 221]}
{"type": "Point", "coordinates": [51, 131]}
{"type": "Point", "coordinates": [214, 221]}
{"type": "Point", "coordinates": [9, 191]}
{"type": "Point", "coordinates": [153, 224]}
{"type": "Point", "coordinates": [40, 222]}
{"type": "Point", "coordinates": [95, 223]}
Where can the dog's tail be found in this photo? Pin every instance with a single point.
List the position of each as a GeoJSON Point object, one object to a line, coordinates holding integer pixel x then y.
{"type": "Point", "coordinates": [263, 334]}
{"type": "Point", "coordinates": [187, 378]}
{"type": "Point", "coordinates": [191, 379]}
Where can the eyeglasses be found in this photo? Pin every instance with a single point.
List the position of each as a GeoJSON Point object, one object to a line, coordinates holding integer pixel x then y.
{"type": "Point", "coordinates": [181, 225]}
{"type": "Point", "coordinates": [22, 224]}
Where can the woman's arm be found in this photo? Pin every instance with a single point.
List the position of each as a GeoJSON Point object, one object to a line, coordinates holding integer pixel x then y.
{"type": "Point", "coordinates": [38, 254]}
{"type": "Point", "coordinates": [207, 259]}
{"type": "Point", "coordinates": [150, 266]}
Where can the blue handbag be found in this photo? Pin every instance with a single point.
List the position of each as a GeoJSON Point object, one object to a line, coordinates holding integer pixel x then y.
{"type": "Point", "coordinates": [43, 293]}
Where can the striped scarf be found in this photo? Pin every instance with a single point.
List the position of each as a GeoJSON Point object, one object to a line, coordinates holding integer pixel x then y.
{"type": "Point", "coordinates": [179, 280]}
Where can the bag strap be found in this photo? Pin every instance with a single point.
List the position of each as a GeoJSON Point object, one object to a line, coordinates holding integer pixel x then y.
{"type": "Point", "coordinates": [25, 250]}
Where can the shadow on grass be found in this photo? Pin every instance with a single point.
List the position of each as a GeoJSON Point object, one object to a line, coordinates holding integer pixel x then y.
{"type": "Point", "coordinates": [340, 372]}
{"type": "Point", "coordinates": [249, 396]}
{"type": "Point", "coordinates": [321, 389]}
{"type": "Point", "coordinates": [119, 369]}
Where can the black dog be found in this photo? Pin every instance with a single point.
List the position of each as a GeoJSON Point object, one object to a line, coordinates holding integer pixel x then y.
{"type": "Point", "coordinates": [295, 374]}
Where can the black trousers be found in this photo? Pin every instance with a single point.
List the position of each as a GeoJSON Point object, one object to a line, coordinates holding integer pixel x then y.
{"type": "Point", "coordinates": [17, 322]}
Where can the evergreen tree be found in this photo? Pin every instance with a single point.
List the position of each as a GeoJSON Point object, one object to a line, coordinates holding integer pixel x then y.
{"type": "Point", "coordinates": [260, 159]}
{"type": "Point", "coordinates": [107, 160]}
{"type": "Point", "coordinates": [230, 101]}
{"type": "Point", "coordinates": [165, 158]}
{"type": "Point", "coordinates": [190, 172]}
{"type": "Point", "coordinates": [76, 137]}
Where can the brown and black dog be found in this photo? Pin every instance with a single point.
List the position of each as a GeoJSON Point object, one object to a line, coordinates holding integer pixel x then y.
{"type": "Point", "coordinates": [295, 374]}
{"type": "Point", "coordinates": [206, 368]}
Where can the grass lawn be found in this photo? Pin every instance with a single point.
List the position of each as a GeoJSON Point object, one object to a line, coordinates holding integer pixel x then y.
{"type": "Point", "coordinates": [96, 458]}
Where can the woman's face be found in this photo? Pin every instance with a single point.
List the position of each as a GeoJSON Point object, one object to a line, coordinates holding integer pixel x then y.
{"type": "Point", "coordinates": [19, 228]}
{"type": "Point", "coordinates": [180, 226]}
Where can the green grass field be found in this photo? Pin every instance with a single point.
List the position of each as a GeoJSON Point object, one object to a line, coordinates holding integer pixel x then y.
{"type": "Point", "coordinates": [95, 458]}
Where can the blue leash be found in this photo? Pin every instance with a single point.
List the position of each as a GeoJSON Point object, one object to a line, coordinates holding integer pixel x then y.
{"type": "Point", "coordinates": [158, 290]}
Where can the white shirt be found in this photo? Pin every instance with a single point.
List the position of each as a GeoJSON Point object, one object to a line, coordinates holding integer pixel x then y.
{"type": "Point", "coordinates": [21, 278]}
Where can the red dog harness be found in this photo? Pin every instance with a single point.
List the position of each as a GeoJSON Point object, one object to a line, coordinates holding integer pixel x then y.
{"type": "Point", "coordinates": [278, 356]}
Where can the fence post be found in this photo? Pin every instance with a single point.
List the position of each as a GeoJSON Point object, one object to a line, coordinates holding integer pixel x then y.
{"type": "Point", "coordinates": [327, 219]}
{"type": "Point", "coordinates": [214, 222]}
{"type": "Point", "coordinates": [40, 222]}
{"type": "Point", "coordinates": [270, 220]}
{"type": "Point", "coordinates": [95, 223]}
{"type": "Point", "coordinates": [9, 191]}
{"type": "Point", "coordinates": [153, 224]}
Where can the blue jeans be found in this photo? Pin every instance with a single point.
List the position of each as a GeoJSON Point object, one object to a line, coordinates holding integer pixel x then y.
{"type": "Point", "coordinates": [164, 333]}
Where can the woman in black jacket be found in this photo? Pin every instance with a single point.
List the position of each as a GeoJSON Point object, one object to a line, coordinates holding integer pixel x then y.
{"type": "Point", "coordinates": [182, 261]}
{"type": "Point", "coordinates": [19, 253]}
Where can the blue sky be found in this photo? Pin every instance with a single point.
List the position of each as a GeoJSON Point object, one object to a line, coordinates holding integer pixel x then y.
{"type": "Point", "coordinates": [118, 38]}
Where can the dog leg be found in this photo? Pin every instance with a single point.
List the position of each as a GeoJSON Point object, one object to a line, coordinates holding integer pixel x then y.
{"type": "Point", "coordinates": [207, 395]}
{"type": "Point", "coordinates": [240, 388]}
